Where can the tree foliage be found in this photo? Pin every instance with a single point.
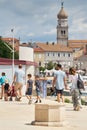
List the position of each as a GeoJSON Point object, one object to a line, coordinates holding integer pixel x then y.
{"type": "Point", "coordinates": [50, 65]}
{"type": "Point", "coordinates": [41, 68]}
{"type": "Point", "coordinates": [5, 52]}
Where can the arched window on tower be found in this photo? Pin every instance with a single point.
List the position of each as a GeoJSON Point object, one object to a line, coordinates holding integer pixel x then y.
{"type": "Point", "coordinates": [61, 31]}
{"type": "Point", "coordinates": [64, 32]}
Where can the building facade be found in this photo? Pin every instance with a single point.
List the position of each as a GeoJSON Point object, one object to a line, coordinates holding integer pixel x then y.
{"type": "Point", "coordinates": [56, 53]}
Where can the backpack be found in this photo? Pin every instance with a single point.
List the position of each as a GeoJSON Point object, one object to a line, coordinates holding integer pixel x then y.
{"type": "Point", "coordinates": [80, 84]}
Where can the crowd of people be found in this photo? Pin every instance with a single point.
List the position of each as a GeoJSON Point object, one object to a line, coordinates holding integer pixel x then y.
{"type": "Point", "coordinates": [59, 83]}
{"type": "Point", "coordinates": [15, 89]}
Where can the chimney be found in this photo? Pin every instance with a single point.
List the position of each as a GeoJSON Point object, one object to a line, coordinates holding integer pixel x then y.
{"type": "Point", "coordinates": [47, 43]}
{"type": "Point", "coordinates": [53, 43]}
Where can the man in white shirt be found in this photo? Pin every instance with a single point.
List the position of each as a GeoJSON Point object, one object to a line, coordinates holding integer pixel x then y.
{"type": "Point", "coordinates": [59, 82]}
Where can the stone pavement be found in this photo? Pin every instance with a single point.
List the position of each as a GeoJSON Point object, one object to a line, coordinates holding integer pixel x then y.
{"type": "Point", "coordinates": [19, 115]}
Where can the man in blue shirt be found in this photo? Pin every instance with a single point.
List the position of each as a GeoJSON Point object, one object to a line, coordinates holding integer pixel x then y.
{"type": "Point", "coordinates": [59, 82]}
{"type": "Point", "coordinates": [18, 81]}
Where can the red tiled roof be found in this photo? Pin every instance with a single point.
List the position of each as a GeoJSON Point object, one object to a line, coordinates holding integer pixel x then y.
{"type": "Point", "coordinates": [54, 47]}
{"type": "Point", "coordinates": [38, 50]}
{"type": "Point", "coordinates": [77, 43]}
{"type": "Point", "coordinates": [9, 39]}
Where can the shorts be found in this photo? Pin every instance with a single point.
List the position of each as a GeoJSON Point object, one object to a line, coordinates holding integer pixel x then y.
{"type": "Point", "coordinates": [59, 91]}
{"type": "Point", "coordinates": [18, 86]}
{"type": "Point", "coordinates": [29, 91]}
{"type": "Point", "coordinates": [38, 93]}
{"type": "Point", "coordinates": [6, 91]}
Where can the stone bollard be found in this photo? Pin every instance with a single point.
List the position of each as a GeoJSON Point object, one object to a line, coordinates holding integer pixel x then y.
{"type": "Point", "coordinates": [49, 114]}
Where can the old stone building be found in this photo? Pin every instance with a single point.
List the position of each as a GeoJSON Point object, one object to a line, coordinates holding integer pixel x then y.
{"type": "Point", "coordinates": [56, 53]}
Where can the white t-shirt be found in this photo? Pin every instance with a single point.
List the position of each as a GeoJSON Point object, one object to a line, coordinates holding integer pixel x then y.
{"type": "Point", "coordinates": [60, 75]}
{"type": "Point", "coordinates": [73, 80]}
{"type": "Point", "coordinates": [19, 73]}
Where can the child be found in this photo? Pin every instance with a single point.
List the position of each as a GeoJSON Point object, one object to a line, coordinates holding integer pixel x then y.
{"type": "Point", "coordinates": [6, 89]}
{"type": "Point", "coordinates": [2, 82]}
{"type": "Point", "coordinates": [38, 88]}
{"type": "Point", "coordinates": [29, 88]}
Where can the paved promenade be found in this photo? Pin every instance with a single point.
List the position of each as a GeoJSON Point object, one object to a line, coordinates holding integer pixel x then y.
{"type": "Point", "coordinates": [19, 115]}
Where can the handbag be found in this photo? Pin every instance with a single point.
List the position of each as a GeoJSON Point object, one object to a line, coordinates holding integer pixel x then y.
{"type": "Point", "coordinates": [80, 84]}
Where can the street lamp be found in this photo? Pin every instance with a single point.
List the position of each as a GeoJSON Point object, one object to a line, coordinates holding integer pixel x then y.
{"type": "Point", "coordinates": [12, 30]}
{"type": "Point", "coordinates": [12, 50]}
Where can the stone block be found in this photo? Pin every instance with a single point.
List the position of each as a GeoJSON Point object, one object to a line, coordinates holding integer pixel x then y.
{"type": "Point", "coordinates": [49, 114]}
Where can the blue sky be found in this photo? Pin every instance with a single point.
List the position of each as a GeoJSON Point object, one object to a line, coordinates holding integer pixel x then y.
{"type": "Point", "coordinates": [36, 20]}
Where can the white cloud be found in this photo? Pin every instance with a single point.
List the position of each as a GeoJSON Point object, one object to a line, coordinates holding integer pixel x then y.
{"type": "Point", "coordinates": [30, 34]}
{"type": "Point", "coordinates": [78, 25]}
{"type": "Point", "coordinates": [53, 31]}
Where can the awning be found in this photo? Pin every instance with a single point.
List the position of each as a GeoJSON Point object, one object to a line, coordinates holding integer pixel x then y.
{"type": "Point", "coordinates": [5, 61]}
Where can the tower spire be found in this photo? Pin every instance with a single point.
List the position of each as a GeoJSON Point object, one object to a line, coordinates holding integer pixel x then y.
{"type": "Point", "coordinates": [62, 3]}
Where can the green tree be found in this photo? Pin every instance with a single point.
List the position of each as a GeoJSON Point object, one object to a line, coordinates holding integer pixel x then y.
{"type": "Point", "coordinates": [16, 55]}
{"type": "Point", "coordinates": [50, 65]}
{"type": "Point", "coordinates": [41, 68]}
{"type": "Point", "coordinates": [5, 52]}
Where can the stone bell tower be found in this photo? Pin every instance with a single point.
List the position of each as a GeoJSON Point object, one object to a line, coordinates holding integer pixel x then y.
{"type": "Point", "coordinates": [62, 27]}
